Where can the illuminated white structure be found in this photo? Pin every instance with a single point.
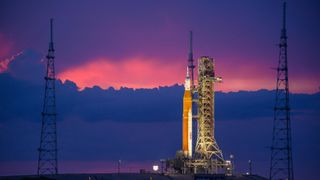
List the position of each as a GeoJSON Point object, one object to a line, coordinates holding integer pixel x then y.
{"type": "Point", "coordinates": [207, 147]}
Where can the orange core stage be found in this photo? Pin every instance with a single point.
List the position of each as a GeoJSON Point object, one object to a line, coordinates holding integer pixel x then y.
{"type": "Point", "coordinates": [187, 119]}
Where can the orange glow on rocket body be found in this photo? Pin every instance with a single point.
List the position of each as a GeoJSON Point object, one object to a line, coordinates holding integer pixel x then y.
{"type": "Point", "coordinates": [187, 119]}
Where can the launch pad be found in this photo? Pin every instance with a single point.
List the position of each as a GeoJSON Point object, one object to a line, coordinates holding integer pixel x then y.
{"type": "Point", "coordinates": [207, 157]}
{"type": "Point", "coordinates": [182, 165]}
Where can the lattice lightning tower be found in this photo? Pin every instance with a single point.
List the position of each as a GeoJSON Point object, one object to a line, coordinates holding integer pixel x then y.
{"type": "Point", "coordinates": [48, 161]}
{"type": "Point", "coordinates": [281, 149]}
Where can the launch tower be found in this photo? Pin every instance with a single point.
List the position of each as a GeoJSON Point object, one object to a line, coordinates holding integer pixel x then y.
{"type": "Point", "coordinates": [206, 147]}
{"type": "Point", "coordinates": [208, 158]}
{"type": "Point", "coordinates": [48, 161]}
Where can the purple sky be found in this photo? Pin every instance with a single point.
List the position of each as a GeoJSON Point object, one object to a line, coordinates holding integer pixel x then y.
{"type": "Point", "coordinates": [143, 44]}
{"type": "Point", "coordinates": [105, 36]}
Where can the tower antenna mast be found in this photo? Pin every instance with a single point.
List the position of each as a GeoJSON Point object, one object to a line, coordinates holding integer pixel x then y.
{"type": "Point", "coordinates": [48, 160]}
{"type": "Point", "coordinates": [281, 150]}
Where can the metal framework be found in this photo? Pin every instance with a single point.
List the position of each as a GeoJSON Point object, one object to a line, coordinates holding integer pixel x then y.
{"type": "Point", "coordinates": [190, 62]}
{"type": "Point", "coordinates": [203, 166]}
{"type": "Point", "coordinates": [208, 158]}
{"type": "Point", "coordinates": [281, 149]}
{"type": "Point", "coordinates": [206, 146]}
{"type": "Point", "coordinates": [48, 161]}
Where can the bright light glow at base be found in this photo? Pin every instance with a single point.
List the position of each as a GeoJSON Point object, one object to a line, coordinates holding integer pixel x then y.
{"type": "Point", "coordinates": [155, 167]}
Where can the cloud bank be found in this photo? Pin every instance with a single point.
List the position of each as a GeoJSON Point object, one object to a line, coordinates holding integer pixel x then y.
{"type": "Point", "coordinates": [97, 124]}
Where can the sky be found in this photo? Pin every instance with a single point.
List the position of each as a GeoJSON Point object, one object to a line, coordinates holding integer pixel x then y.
{"type": "Point", "coordinates": [144, 44]}
{"type": "Point", "coordinates": [130, 56]}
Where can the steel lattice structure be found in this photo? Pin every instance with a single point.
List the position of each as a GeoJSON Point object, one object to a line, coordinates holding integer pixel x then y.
{"type": "Point", "coordinates": [206, 146]}
{"type": "Point", "coordinates": [48, 161]}
{"type": "Point", "coordinates": [208, 158]}
{"type": "Point", "coordinates": [190, 62]}
{"type": "Point", "coordinates": [281, 149]}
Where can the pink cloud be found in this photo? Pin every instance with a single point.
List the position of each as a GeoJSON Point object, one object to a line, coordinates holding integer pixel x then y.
{"type": "Point", "coordinates": [260, 75]}
{"type": "Point", "coordinates": [5, 62]}
{"type": "Point", "coordinates": [6, 47]}
{"type": "Point", "coordinates": [133, 73]}
{"type": "Point", "coordinates": [151, 73]}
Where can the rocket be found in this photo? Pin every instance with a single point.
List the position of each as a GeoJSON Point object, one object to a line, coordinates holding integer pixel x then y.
{"type": "Point", "coordinates": [187, 106]}
{"type": "Point", "coordinates": [187, 118]}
